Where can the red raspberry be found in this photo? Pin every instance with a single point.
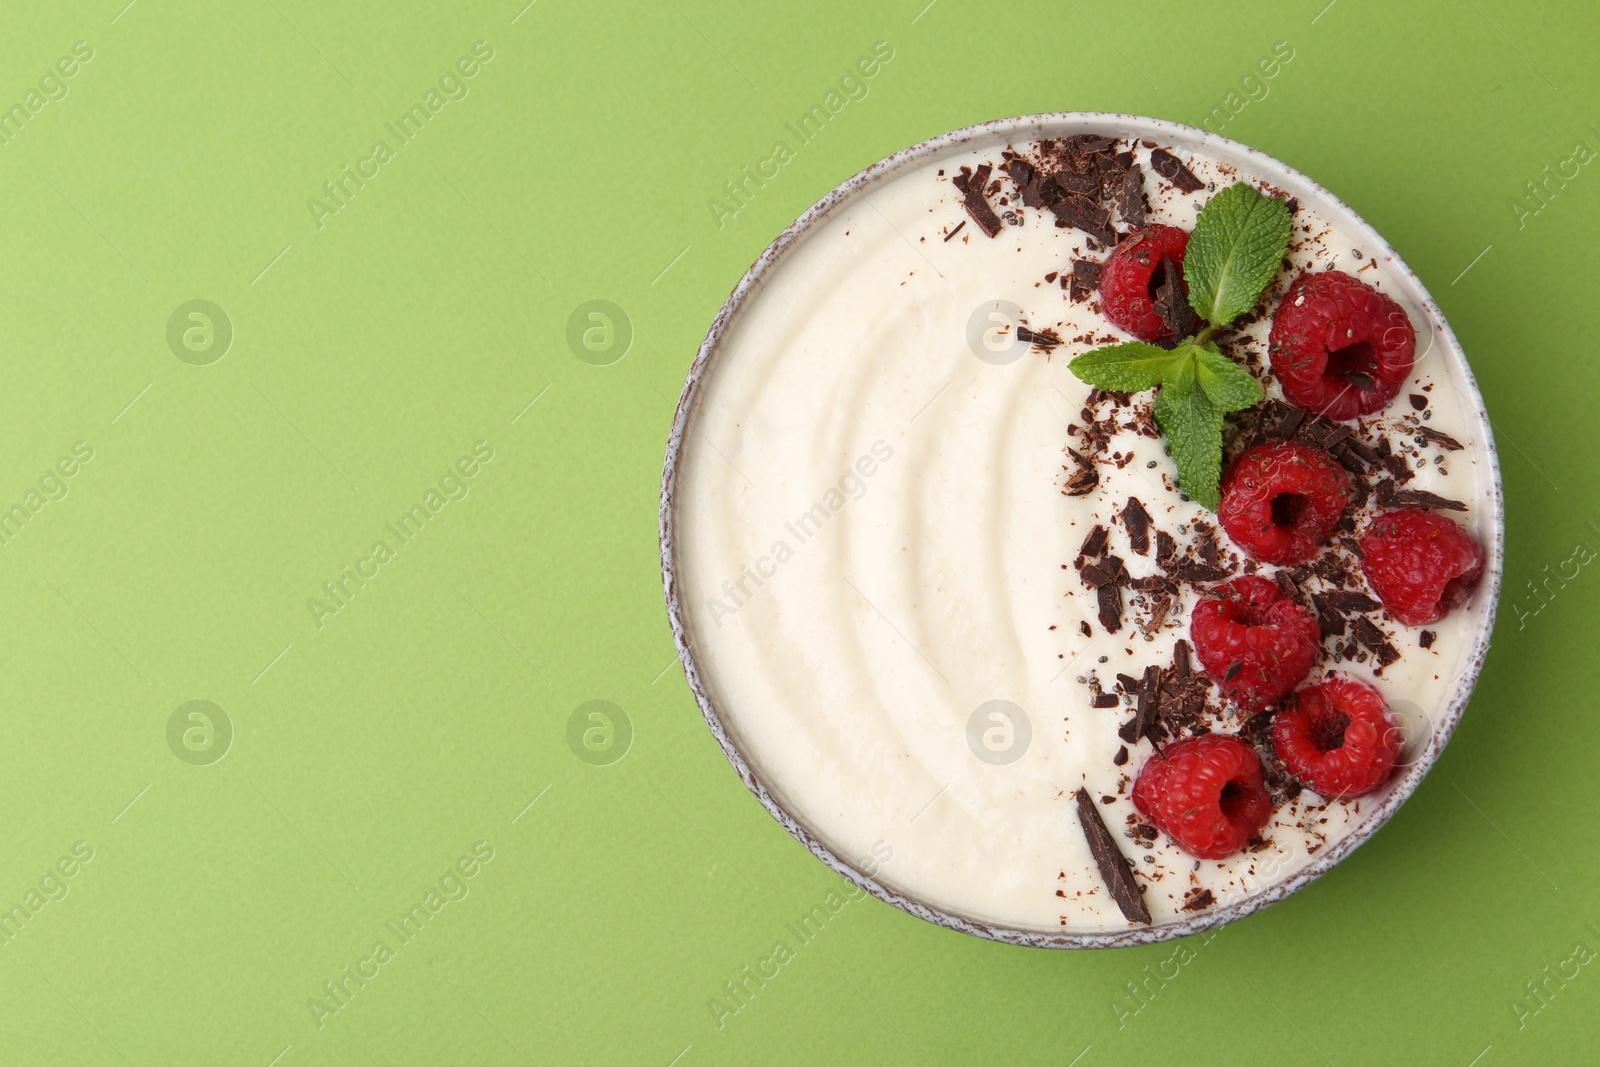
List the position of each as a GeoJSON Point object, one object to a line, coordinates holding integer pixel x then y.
{"type": "Point", "coordinates": [1337, 737]}
{"type": "Point", "coordinates": [1256, 643]}
{"type": "Point", "coordinates": [1338, 346]}
{"type": "Point", "coordinates": [1130, 278]}
{"type": "Point", "coordinates": [1420, 564]}
{"type": "Point", "coordinates": [1280, 501]}
{"type": "Point", "coordinates": [1206, 795]}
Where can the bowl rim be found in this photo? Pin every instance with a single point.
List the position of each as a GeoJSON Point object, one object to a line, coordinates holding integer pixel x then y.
{"type": "Point", "coordinates": [1171, 134]}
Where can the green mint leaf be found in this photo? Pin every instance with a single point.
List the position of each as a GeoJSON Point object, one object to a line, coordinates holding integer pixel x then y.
{"type": "Point", "coordinates": [1237, 246]}
{"type": "Point", "coordinates": [1124, 368]}
{"type": "Point", "coordinates": [1193, 427]}
{"type": "Point", "coordinates": [1227, 385]}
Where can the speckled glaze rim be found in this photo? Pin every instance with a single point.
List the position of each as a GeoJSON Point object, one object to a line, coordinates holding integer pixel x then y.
{"type": "Point", "coordinates": [1170, 134]}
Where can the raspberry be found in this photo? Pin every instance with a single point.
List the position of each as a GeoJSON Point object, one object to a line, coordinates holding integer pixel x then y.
{"type": "Point", "coordinates": [1206, 795]}
{"type": "Point", "coordinates": [1130, 278]}
{"type": "Point", "coordinates": [1338, 346]}
{"type": "Point", "coordinates": [1337, 737]}
{"type": "Point", "coordinates": [1256, 643]}
{"type": "Point", "coordinates": [1280, 501]}
{"type": "Point", "coordinates": [1420, 564]}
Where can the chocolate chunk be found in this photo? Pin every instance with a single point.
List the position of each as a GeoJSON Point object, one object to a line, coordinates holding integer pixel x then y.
{"type": "Point", "coordinates": [1171, 168]}
{"type": "Point", "coordinates": [1233, 670]}
{"type": "Point", "coordinates": [1115, 870]}
{"type": "Point", "coordinates": [1365, 382]}
{"type": "Point", "coordinates": [1426, 638]}
{"type": "Point", "coordinates": [1110, 598]}
{"type": "Point", "coordinates": [1172, 303]}
{"type": "Point", "coordinates": [1131, 201]}
{"type": "Point", "coordinates": [1418, 401]}
{"type": "Point", "coordinates": [1443, 440]}
{"type": "Point", "coordinates": [1206, 545]}
{"type": "Point", "coordinates": [1095, 543]}
{"type": "Point", "coordinates": [1104, 700]}
{"type": "Point", "coordinates": [1290, 589]}
{"type": "Point", "coordinates": [1136, 520]}
{"type": "Point", "coordinates": [1085, 629]}
{"type": "Point", "coordinates": [1087, 216]}
{"type": "Point", "coordinates": [1121, 757]}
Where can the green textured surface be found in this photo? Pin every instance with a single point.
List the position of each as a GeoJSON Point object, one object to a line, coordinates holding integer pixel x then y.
{"type": "Point", "coordinates": [372, 351]}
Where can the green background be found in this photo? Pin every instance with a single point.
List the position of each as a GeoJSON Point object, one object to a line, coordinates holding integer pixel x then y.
{"type": "Point", "coordinates": [369, 353]}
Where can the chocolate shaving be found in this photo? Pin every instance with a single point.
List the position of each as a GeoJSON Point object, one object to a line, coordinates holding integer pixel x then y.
{"type": "Point", "coordinates": [1171, 168]}
{"type": "Point", "coordinates": [1085, 279]}
{"type": "Point", "coordinates": [1084, 185]}
{"type": "Point", "coordinates": [1328, 617]}
{"type": "Point", "coordinates": [955, 231]}
{"type": "Point", "coordinates": [1115, 870]}
{"type": "Point", "coordinates": [1136, 520]}
{"type": "Point", "coordinates": [1166, 549]}
{"type": "Point", "coordinates": [1172, 304]}
{"type": "Point", "coordinates": [1438, 437]}
{"type": "Point", "coordinates": [1198, 899]}
{"type": "Point", "coordinates": [1110, 598]}
{"type": "Point", "coordinates": [1389, 496]}
{"type": "Point", "coordinates": [1372, 637]}
{"type": "Point", "coordinates": [1131, 201]}
{"type": "Point", "coordinates": [1190, 571]}
{"type": "Point", "coordinates": [1087, 216]}
{"type": "Point", "coordinates": [980, 211]}
{"type": "Point", "coordinates": [1095, 543]}
{"type": "Point", "coordinates": [1045, 339]}
{"type": "Point", "coordinates": [1345, 600]}
{"type": "Point", "coordinates": [1084, 479]}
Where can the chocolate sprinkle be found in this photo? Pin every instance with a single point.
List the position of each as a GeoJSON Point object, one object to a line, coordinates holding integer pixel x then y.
{"type": "Point", "coordinates": [1115, 870]}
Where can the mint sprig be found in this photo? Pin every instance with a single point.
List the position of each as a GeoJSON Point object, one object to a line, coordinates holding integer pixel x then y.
{"type": "Point", "coordinates": [1236, 248]}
